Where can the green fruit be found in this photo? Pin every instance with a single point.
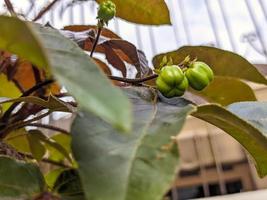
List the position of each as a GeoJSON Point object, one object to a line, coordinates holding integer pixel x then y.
{"type": "Point", "coordinates": [199, 75]}
{"type": "Point", "coordinates": [171, 81]}
{"type": "Point", "coordinates": [106, 11]}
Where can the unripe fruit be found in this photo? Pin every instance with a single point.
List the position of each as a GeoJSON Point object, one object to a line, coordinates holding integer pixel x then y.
{"type": "Point", "coordinates": [199, 75]}
{"type": "Point", "coordinates": [106, 11]}
{"type": "Point", "coordinates": [171, 81]}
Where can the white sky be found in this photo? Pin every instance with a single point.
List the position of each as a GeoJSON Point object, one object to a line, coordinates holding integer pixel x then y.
{"type": "Point", "coordinates": [171, 37]}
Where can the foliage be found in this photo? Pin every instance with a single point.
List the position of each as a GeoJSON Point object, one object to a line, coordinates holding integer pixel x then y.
{"type": "Point", "coordinates": [120, 145]}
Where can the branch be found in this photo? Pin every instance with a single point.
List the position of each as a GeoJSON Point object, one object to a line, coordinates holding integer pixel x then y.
{"type": "Point", "coordinates": [99, 30]}
{"type": "Point", "coordinates": [37, 87]}
{"type": "Point", "coordinates": [10, 8]}
{"type": "Point", "coordinates": [44, 10]}
{"type": "Point", "coordinates": [133, 81]}
{"type": "Point", "coordinates": [46, 126]}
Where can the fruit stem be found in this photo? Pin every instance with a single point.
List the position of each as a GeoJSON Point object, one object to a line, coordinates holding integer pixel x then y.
{"type": "Point", "coordinates": [96, 40]}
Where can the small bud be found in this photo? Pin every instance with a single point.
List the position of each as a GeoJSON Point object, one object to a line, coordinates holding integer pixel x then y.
{"type": "Point", "coordinates": [106, 12]}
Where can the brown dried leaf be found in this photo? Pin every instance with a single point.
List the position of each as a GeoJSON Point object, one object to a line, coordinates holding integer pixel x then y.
{"type": "Point", "coordinates": [105, 32]}
{"type": "Point", "coordinates": [115, 60]}
{"type": "Point", "coordinates": [103, 66]}
{"type": "Point", "coordinates": [116, 50]}
{"type": "Point", "coordinates": [25, 76]}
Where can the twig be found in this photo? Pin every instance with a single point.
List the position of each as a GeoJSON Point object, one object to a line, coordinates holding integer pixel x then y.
{"type": "Point", "coordinates": [99, 30]}
{"type": "Point", "coordinates": [63, 94]}
{"type": "Point", "coordinates": [134, 81]}
{"type": "Point", "coordinates": [44, 10]}
{"type": "Point", "coordinates": [10, 8]}
{"type": "Point", "coordinates": [37, 87]}
{"type": "Point", "coordinates": [46, 126]}
{"type": "Point", "coordinates": [26, 93]}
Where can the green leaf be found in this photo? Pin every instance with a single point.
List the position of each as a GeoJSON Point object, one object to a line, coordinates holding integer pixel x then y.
{"type": "Point", "coordinates": [53, 103]}
{"type": "Point", "coordinates": [19, 179]}
{"type": "Point", "coordinates": [52, 176]}
{"type": "Point", "coordinates": [52, 144]}
{"type": "Point", "coordinates": [37, 148]}
{"type": "Point", "coordinates": [68, 185]}
{"type": "Point", "coordinates": [226, 90]}
{"type": "Point", "coordinates": [18, 140]}
{"type": "Point", "coordinates": [140, 165]}
{"type": "Point", "coordinates": [150, 12]}
{"type": "Point", "coordinates": [254, 113]}
{"type": "Point", "coordinates": [71, 66]}
{"type": "Point", "coordinates": [8, 89]}
{"type": "Point", "coordinates": [17, 37]}
{"type": "Point", "coordinates": [238, 122]}
{"type": "Point", "coordinates": [223, 63]}
{"type": "Point", "coordinates": [82, 78]}
{"type": "Point", "coordinates": [64, 141]}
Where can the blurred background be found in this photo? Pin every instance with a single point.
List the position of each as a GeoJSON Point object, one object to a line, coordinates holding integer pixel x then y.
{"type": "Point", "coordinates": [239, 25]}
{"type": "Point", "coordinates": [212, 163]}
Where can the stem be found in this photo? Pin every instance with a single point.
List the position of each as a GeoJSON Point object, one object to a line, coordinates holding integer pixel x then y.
{"type": "Point", "coordinates": [37, 87]}
{"type": "Point", "coordinates": [134, 81]}
{"type": "Point", "coordinates": [63, 94]}
{"type": "Point", "coordinates": [46, 126]}
{"type": "Point", "coordinates": [44, 10]}
{"type": "Point", "coordinates": [99, 30]}
{"type": "Point", "coordinates": [26, 93]}
{"type": "Point", "coordinates": [10, 8]}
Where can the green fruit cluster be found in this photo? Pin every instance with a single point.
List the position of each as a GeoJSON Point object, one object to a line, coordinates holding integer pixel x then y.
{"type": "Point", "coordinates": [199, 75]}
{"type": "Point", "coordinates": [173, 81]}
{"type": "Point", "coordinates": [106, 11]}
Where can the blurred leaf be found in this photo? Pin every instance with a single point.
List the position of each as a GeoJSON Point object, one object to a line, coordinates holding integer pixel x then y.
{"type": "Point", "coordinates": [52, 176]}
{"type": "Point", "coordinates": [22, 72]}
{"type": "Point", "coordinates": [103, 66]}
{"type": "Point", "coordinates": [64, 141]}
{"type": "Point", "coordinates": [37, 148]}
{"type": "Point", "coordinates": [138, 160]}
{"type": "Point", "coordinates": [18, 140]}
{"type": "Point", "coordinates": [19, 179]}
{"type": "Point", "coordinates": [26, 75]}
{"type": "Point", "coordinates": [53, 103]}
{"type": "Point", "coordinates": [18, 38]}
{"type": "Point", "coordinates": [69, 186]}
{"type": "Point", "coordinates": [226, 90]}
{"type": "Point", "coordinates": [82, 78]}
{"type": "Point", "coordinates": [8, 89]}
{"type": "Point", "coordinates": [223, 63]}
{"type": "Point", "coordinates": [49, 142]}
{"type": "Point", "coordinates": [150, 12]}
{"type": "Point", "coordinates": [243, 121]}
